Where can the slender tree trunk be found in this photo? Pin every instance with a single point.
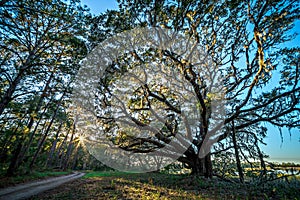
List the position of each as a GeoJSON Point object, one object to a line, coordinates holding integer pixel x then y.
{"type": "Point", "coordinates": [31, 137]}
{"type": "Point", "coordinates": [20, 153]}
{"type": "Point", "coordinates": [46, 134]}
{"type": "Point", "coordinates": [25, 146]}
{"type": "Point", "coordinates": [12, 88]}
{"type": "Point", "coordinates": [261, 158]}
{"type": "Point", "coordinates": [8, 94]}
{"type": "Point", "coordinates": [69, 150]}
{"type": "Point", "coordinates": [13, 163]}
{"type": "Point", "coordinates": [58, 157]}
{"type": "Point", "coordinates": [75, 160]}
{"type": "Point", "coordinates": [208, 166]}
{"type": "Point", "coordinates": [11, 169]}
{"type": "Point", "coordinates": [237, 156]}
{"type": "Point", "coordinates": [4, 149]}
{"type": "Point", "coordinates": [3, 127]}
{"type": "Point", "coordinates": [53, 147]}
{"type": "Point", "coordinates": [41, 100]}
{"type": "Point", "coordinates": [70, 146]}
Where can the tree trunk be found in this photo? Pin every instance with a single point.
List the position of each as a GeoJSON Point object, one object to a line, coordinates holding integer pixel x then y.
{"type": "Point", "coordinates": [237, 156]}
{"type": "Point", "coordinates": [208, 166]}
{"type": "Point", "coordinates": [58, 157]}
{"type": "Point", "coordinates": [8, 94]}
{"type": "Point", "coordinates": [202, 166]}
{"type": "Point", "coordinates": [75, 160]}
{"type": "Point", "coordinates": [53, 147]}
{"type": "Point", "coordinates": [69, 150]}
{"type": "Point", "coordinates": [46, 133]}
{"type": "Point", "coordinates": [13, 163]}
{"type": "Point", "coordinates": [25, 147]}
{"type": "Point", "coordinates": [4, 149]}
{"type": "Point", "coordinates": [12, 167]}
{"type": "Point", "coordinates": [261, 158]}
{"type": "Point", "coordinates": [31, 137]}
{"type": "Point", "coordinates": [12, 88]}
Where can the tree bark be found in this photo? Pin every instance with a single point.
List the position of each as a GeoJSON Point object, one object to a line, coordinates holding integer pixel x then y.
{"type": "Point", "coordinates": [8, 94]}
{"type": "Point", "coordinates": [198, 167]}
{"type": "Point", "coordinates": [75, 159]}
{"type": "Point", "coordinates": [58, 157]}
{"type": "Point", "coordinates": [13, 163]}
{"type": "Point", "coordinates": [46, 133]}
{"type": "Point", "coordinates": [25, 146]}
{"type": "Point", "coordinates": [261, 158]}
{"type": "Point", "coordinates": [202, 166]}
{"type": "Point", "coordinates": [69, 150]}
{"type": "Point", "coordinates": [237, 156]}
{"type": "Point", "coordinates": [208, 166]}
{"type": "Point", "coordinates": [53, 147]}
{"type": "Point", "coordinates": [12, 166]}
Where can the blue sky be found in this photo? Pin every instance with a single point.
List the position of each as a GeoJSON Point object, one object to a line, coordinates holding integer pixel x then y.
{"type": "Point", "coordinates": [286, 150]}
{"type": "Point", "coordinates": [98, 6]}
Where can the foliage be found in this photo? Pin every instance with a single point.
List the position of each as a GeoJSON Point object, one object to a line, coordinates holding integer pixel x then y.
{"type": "Point", "coordinates": [41, 44]}
{"type": "Point", "coordinates": [246, 43]}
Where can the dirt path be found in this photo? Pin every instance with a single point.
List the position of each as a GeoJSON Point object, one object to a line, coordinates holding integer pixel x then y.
{"type": "Point", "coordinates": [29, 189]}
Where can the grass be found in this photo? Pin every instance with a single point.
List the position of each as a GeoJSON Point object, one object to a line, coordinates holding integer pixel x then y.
{"type": "Point", "coordinates": [92, 174]}
{"type": "Point", "coordinates": [120, 185]}
{"type": "Point", "coordinates": [10, 181]}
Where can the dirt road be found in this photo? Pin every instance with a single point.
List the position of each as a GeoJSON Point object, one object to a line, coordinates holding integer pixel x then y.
{"type": "Point", "coordinates": [27, 190]}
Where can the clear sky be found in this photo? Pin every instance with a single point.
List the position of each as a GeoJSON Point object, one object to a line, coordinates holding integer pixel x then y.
{"type": "Point", "coordinates": [98, 6]}
{"type": "Point", "coordinates": [287, 150]}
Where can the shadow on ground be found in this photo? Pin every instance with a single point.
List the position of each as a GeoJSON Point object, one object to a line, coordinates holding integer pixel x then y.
{"type": "Point", "coordinates": [159, 186]}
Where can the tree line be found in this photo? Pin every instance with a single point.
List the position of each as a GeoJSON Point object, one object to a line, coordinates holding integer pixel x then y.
{"type": "Point", "coordinates": [42, 43]}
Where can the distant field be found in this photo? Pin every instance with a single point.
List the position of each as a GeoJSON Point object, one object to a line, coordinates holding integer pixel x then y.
{"type": "Point", "coordinates": [284, 160]}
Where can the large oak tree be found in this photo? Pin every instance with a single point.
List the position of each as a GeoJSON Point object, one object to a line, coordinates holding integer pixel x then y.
{"type": "Point", "coordinates": [246, 42]}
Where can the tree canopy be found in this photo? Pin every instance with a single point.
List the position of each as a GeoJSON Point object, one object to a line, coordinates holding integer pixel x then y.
{"type": "Point", "coordinates": [41, 44]}
{"type": "Point", "coordinates": [245, 42]}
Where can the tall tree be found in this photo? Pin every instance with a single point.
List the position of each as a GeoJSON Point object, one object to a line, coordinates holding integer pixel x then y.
{"type": "Point", "coordinates": [41, 44]}
{"type": "Point", "coordinates": [246, 43]}
{"type": "Point", "coordinates": [34, 39]}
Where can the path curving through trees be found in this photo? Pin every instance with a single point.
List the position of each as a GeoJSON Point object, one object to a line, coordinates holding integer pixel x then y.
{"type": "Point", "coordinates": [27, 190]}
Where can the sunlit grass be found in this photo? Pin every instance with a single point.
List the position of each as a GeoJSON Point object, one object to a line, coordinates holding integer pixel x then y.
{"type": "Point", "coordinates": [92, 174]}
{"type": "Point", "coordinates": [120, 185]}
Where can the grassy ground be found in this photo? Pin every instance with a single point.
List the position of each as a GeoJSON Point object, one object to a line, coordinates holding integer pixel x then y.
{"type": "Point", "coordinates": [116, 185]}
{"type": "Point", "coordinates": [10, 181]}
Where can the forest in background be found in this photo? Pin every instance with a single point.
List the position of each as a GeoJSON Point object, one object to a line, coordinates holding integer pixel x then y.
{"type": "Point", "coordinates": [43, 42]}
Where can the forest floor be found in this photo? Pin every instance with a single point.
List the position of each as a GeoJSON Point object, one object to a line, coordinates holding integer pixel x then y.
{"type": "Point", "coordinates": [116, 185]}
